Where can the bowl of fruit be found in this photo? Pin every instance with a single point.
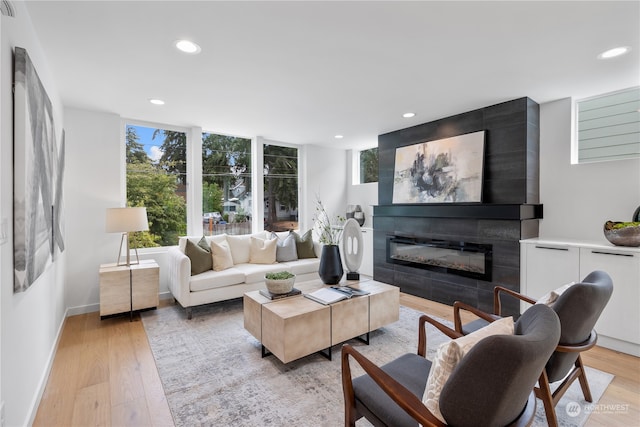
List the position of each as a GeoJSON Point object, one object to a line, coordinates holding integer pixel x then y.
{"type": "Point", "coordinates": [622, 233]}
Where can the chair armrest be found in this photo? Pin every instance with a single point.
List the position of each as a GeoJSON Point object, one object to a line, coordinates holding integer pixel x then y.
{"type": "Point", "coordinates": [408, 401]}
{"type": "Point", "coordinates": [457, 320]}
{"type": "Point", "coordinates": [583, 346]}
{"type": "Point", "coordinates": [497, 307]}
{"type": "Point", "coordinates": [422, 334]}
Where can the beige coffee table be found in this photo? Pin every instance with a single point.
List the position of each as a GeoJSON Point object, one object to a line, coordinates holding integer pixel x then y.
{"type": "Point", "coordinates": [294, 327]}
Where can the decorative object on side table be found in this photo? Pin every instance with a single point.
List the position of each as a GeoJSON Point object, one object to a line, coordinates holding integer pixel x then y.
{"type": "Point", "coordinates": [279, 283]}
{"type": "Point", "coordinates": [622, 233]}
{"type": "Point", "coordinates": [636, 215]}
{"type": "Point", "coordinates": [355, 212]}
{"type": "Point", "coordinates": [330, 269]}
{"type": "Point", "coordinates": [352, 247]}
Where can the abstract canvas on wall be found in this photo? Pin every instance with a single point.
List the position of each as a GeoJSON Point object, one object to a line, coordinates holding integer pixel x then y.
{"type": "Point", "coordinates": [38, 164]}
{"type": "Point", "coordinates": [446, 170]}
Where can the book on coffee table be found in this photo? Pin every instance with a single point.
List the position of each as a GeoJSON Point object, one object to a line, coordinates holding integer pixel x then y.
{"type": "Point", "coordinates": [267, 294]}
{"type": "Point", "coordinates": [327, 296]}
{"type": "Point", "coordinates": [349, 291]}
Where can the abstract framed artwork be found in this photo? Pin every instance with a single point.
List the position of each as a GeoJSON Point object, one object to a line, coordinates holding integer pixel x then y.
{"type": "Point", "coordinates": [448, 170]}
{"type": "Point", "coordinates": [38, 165]}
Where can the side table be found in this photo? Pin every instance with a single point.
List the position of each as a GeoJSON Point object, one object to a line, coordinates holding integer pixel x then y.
{"type": "Point", "coordinates": [128, 288]}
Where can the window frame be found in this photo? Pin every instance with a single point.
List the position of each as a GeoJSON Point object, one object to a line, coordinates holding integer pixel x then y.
{"type": "Point", "coordinates": [356, 176]}
{"type": "Point", "coordinates": [575, 129]}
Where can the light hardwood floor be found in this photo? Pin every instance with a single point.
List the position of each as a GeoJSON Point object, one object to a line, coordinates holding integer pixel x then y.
{"type": "Point", "coordinates": [104, 375]}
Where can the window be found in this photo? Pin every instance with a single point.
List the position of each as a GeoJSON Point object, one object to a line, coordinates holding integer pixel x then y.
{"type": "Point", "coordinates": [280, 187]}
{"type": "Point", "coordinates": [226, 184]}
{"type": "Point", "coordinates": [156, 179]}
{"type": "Point", "coordinates": [157, 175]}
{"type": "Point", "coordinates": [368, 163]}
{"type": "Point", "coordinates": [608, 126]}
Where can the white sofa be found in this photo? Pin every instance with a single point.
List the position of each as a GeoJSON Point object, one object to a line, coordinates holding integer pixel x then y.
{"type": "Point", "coordinates": [212, 286]}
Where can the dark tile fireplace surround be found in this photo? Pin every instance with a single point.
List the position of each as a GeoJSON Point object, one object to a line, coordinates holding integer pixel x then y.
{"type": "Point", "coordinates": [406, 236]}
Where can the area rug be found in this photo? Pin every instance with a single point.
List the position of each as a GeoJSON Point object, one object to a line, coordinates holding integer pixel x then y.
{"type": "Point", "coordinates": [213, 373]}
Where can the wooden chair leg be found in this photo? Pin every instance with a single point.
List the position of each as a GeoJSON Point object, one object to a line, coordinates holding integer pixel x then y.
{"type": "Point", "coordinates": [583, 380]}
{"type": "Point", "coordinates": [543, 392]}
{"type": "Point", "coordinates": [350, 412]}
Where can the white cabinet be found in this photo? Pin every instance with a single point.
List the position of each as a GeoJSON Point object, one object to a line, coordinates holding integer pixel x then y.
{"type": "Point", "coordinates": [366, 267]}
{"type": "Point", "coordinates": [548, 264]}
{"type": "Point", "coordinates": [621, 316]}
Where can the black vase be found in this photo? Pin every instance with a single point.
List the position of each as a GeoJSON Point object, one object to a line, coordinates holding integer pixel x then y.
{"type": "Point", "coordinates": [330, 270]}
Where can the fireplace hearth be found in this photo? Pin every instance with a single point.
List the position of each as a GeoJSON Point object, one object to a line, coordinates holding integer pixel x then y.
{"type": "Point", "coordinates": [452, 257]}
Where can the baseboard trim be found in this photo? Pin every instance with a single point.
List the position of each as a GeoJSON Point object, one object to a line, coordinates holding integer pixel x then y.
{"type": "Point", "coordinates": [619, 345]}
{"type": "Point", "coordinates": [90, 308]}
{"type": "Point", "coordinates": [42, 384]}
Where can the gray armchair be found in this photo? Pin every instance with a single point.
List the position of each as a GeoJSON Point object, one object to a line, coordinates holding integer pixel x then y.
{"type": "Point", "coordinates": [492, 384]}
{"type": "Point", "coordinates": [578, 309]}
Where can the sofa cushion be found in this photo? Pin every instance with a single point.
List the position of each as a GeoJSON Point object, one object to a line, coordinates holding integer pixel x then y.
{"type": "Point", "coordinates": [304, 245]}
{"type": "Point", "coordinates": [303, 266]}
{"type": "Point", "coordinates": [255, 272]}
{"type": "Point", "coordinates": [218, 238]}
{"type": "Point", "coordinates": [449, 355]}
{"type": "Point", "coordinates": [286, 247]}
{"type": "Point", "coordinates": [221, 255]}
{"type": "Point", "coordinates": [216, 279]}
{"type": "Point", "coordinates": [200, 259]}
{"type": "Point", "coordinates": [241, 246]}
{"type": "Point", "coordinates": [262, 251]}
{"type": "Point", "coordinates": [204, 244]}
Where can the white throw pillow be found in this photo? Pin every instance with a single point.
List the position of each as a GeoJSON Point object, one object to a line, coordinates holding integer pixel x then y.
{"type": "Point", "coordinates": [551, 297]}
{"type": "Point", "coordinates": [262, 251]}
{"type": "Point", "coordinates": [240, 248]}
{"type": "Point", "coordinates": [449, 355]}
{"type": "Point", "coordinates": [221, 256]}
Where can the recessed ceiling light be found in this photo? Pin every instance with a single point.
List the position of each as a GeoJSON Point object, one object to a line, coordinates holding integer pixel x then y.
{"type": "Point", "coordinates": [338, 136]}
{"type": "Point", "coordinates": [155, 101]}
{"type": "Point", "coordinates": [612, 53]}
{"type": "Point", "coordinates": [187, 46]}
{"type": "Point", "coordinates": [408, 115]}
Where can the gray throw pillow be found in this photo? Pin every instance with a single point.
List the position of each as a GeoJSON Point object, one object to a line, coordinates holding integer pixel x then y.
{"type": "Point", "coordinates": [200, 259]}
{"type": "Point", "coordinates": [286, 248]}
{"type": "Point", "coordinates": [304, 245]}
{"type": "Point", "coordinates": [204, 244]}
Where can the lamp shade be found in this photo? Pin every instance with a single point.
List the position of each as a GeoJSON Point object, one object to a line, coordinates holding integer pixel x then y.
{"type": "Point", "coordinates": [123, 220]}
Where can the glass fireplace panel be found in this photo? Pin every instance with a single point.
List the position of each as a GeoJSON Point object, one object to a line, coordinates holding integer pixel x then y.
{"type": "Point", "coordinates": [462, 258]}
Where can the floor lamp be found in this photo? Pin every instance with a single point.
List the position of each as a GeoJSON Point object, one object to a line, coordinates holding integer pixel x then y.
{"type": "Point", "coordinates": [125, 221]}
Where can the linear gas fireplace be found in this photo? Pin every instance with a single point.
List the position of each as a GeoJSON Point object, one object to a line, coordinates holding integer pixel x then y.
{"type": "Point", "coordinates": [451, 257]}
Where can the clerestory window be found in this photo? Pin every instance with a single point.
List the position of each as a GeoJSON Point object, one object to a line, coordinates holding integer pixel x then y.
{"type": "Point", "coordinates": [608, 127]}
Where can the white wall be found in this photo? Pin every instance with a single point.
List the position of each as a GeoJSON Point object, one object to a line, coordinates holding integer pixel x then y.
{"type": "Point", "coordinates": [31, 320]}
{"type": "Point", "coordinates": [324, 175]}
{"type": "Point", "coordinates": [579, 199]}
{"type": "Point", "coordinates": [365, 195]}
{"type": "Point", "coordinates": [93, 184]}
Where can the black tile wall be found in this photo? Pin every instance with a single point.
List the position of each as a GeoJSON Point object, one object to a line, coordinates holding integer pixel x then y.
{"type": "Point", "coordinates": [511, 177]}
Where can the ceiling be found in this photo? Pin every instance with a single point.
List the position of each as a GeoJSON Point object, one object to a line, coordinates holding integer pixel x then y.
{"type": "Point", "coordinates": [302, 72]}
